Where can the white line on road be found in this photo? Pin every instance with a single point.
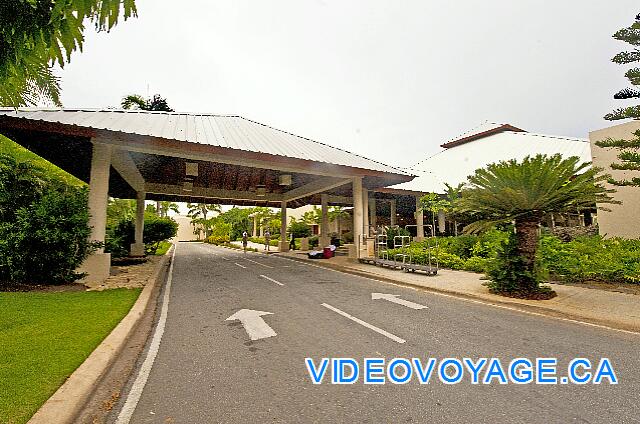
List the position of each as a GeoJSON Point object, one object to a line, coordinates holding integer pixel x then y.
{"type": "Point", "coordinates": [365, 324]}
{"type": "Point", "coordinates": [241, 266]}
{"type": "Point", "coordinates": [266, 266]}
{"type": "Point", "coordinates": [464, 299]}
{"type": "Point", "coordinates": [272, 280]}
{"type": "Point", "coordinates": [143, 375]}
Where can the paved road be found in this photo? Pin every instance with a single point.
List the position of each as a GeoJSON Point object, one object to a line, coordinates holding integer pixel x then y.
{"type": "Point", "coordinates": [209, 371]}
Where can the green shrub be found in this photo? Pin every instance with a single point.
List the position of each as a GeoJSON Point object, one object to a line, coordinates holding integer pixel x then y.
{"type": "Point", "coordinates": [262, 240]}
{"type": "Point", "coordinates": [299, 229]}
{"type": "Point", "coordinates": [218, 240]}
{"type": "Point", "coordinates": [156, 229]}
{"type": "Point", "coordinates": [476, 264]}
{"type": "Point", "coordinates": [508, 273]}
{"type": "Point", "coordinates": [590, 258]}
{"type": "Point", "coordinates": [392, 232]}
{"type": "Point", "coordinates": [48, 240]}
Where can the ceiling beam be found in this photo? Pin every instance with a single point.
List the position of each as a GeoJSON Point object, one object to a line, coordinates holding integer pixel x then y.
{"type": "Point", "coordinates": [178, 190]}
{"type": "Point", "coordinates": [211, 153]}
{"type": "Point", "coordinates": [317, 186]}
{"type": "Point", "coordinates": [123, 163]}
{"type": "Point", "coordinates": [201, 152]}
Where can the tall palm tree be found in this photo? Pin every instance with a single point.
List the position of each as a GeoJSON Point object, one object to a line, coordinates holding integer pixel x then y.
{"type": "Point", "coordinates": [524, 192]}
{"type": "Point", "coordinates": [452, 197]}
{"type": "Point", "coordinates": [198, 213]}
{"type": "Point", "coordinates": [166, 206]}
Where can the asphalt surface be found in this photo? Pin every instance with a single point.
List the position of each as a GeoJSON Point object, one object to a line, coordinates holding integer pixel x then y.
{"type": "Point", "coordinates": [209, 371]}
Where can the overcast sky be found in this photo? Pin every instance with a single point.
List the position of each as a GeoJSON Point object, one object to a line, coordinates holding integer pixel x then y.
{"type": "Point", "coordinates": [390, 80]}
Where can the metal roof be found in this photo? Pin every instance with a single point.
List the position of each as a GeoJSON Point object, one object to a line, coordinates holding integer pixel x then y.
{"type": "Point", "coordinates": [455, 164]}
{"type": "Point", "coordinates": [228, 131]}
{"type": "Point", "coordinates": [483, 130]}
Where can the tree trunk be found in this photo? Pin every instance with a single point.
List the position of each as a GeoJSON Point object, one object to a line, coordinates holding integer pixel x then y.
{"type": "Point", "coordinates": [527, 244]}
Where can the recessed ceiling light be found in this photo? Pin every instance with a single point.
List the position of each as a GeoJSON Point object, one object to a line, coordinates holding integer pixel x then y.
{"type": "Point", "coordinates": [285, 180]}
{"type": "Point", "coordinates": [191, 169]}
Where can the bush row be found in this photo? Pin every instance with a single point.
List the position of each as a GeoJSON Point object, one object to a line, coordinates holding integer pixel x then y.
{"type": "Point", "coordinates": [156, 230]}
{"type": "Point", "coordinates": [225, 242]}
{"type": "Point", "coordinates": [586, 258]}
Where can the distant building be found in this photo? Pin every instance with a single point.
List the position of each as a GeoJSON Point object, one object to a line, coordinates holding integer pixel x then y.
{"type": "Point", "coordinates": [486, 144]}
{"type": "Point", "coordinates": [620, 220]}
{"type": "Point", "coordinates": [475, 149]}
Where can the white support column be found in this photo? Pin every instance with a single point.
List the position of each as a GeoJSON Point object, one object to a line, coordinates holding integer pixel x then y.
{"type": "Point", "coordinates": [255, 225]}
{"type": "Point", "coordinates": [324, 225]}
{"type": "Point", "coordinates": [97, 265]}
{"type": "Point", "coordinates": [419, 221]}
{"type": "Point", "coordinates": [392, 207]}
{"type": "Point", "coordinates": [137, 248]}
{"type": "Point", "coordinates": [284, 243]}
{"type": "Point", "coordinates": [441, 221]}
{"type": "Point", "coordinates": [358, 221]}
{"type": "Point", "coordinates": [365, 211]}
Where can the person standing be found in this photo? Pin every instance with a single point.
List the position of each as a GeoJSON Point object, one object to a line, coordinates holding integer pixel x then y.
{"type": "Point", "coordinates": [267, 240]}
{"type": "Point", "coordinates": [245, 240]}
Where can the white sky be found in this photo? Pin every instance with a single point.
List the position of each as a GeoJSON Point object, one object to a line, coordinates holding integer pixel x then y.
{"type": "Point", "coordinates": [390, 80]}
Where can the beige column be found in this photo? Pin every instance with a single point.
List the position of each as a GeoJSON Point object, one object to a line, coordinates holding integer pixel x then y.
{"type": "Point", "coordinates": [284, 243]}
{"type": "Point", "coordinates": [365, 211]}
{"type": "Point", "coordinates": [441, 221]}
{"type": "Point", "coordinates": [372, 212]}
{"type": "Point", "coordinates": [358, 220]}
{"type": "Point", "coordinates": [324, 225]}
{"type": "Point", "coordinates": [97, 265]}
{"type": "Point", "coordinates": [392, 207]}
{"type": "Point", "coordinates": [255, 226]}
{"type": "Point", "coordinates": [419, 221]}
{"type": "Point", "coordinates": [137, 248]}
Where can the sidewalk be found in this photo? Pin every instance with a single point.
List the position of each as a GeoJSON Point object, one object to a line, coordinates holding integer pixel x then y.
{"type": "Point", "coordinates": [258, 246]}
{"type": "Point", "coordinates": [617, 310]}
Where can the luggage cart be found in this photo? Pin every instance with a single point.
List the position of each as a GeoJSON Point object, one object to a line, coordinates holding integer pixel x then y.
{"type": "Point", "coordinates": [430, 246]}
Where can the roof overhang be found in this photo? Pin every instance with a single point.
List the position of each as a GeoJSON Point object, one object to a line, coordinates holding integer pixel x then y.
{"type": "Point", "coordinates": [158, 166]}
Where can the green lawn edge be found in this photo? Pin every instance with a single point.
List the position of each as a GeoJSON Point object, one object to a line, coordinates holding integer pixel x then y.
{"type": "Point", "coordinates": [44, 337]}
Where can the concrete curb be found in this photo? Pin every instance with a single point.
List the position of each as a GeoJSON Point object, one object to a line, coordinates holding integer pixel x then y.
{"type": "Point", "coordinates": [490, 300]}
{"type": "Point", "coordinates": [67, 402]}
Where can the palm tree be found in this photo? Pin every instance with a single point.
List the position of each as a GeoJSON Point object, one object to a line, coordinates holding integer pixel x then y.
{"type": "Point", "coordinates": [452, 197]}
{"type": "Point", "coordinates": [524, 193]}
{"type": "Point", "coordinates": [432, 202]}
{"type": "Point", "coordinates": [263, 216]}
{"type": "Point", "coordinates": [41, 34]}
{"type": "Point", "coordinates": [136, 101]}
{"type": "Point", "coordinates": [198, 214]}
{"type": "Point", "coordinates": [165, 207]}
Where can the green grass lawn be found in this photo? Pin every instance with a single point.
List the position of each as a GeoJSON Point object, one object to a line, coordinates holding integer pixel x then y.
{"type": "Point", "coordinates": [44, 337]}
{"type": "Point", "coordinates": [163, 247]}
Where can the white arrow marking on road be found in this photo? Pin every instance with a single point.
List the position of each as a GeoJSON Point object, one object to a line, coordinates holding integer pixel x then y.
{"type": "Point", "coordinates": [272, 280]}
{"type": "Point", "coordinates": [394, 298]}
{"type": "Point", "coordinates": [255, 326]}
